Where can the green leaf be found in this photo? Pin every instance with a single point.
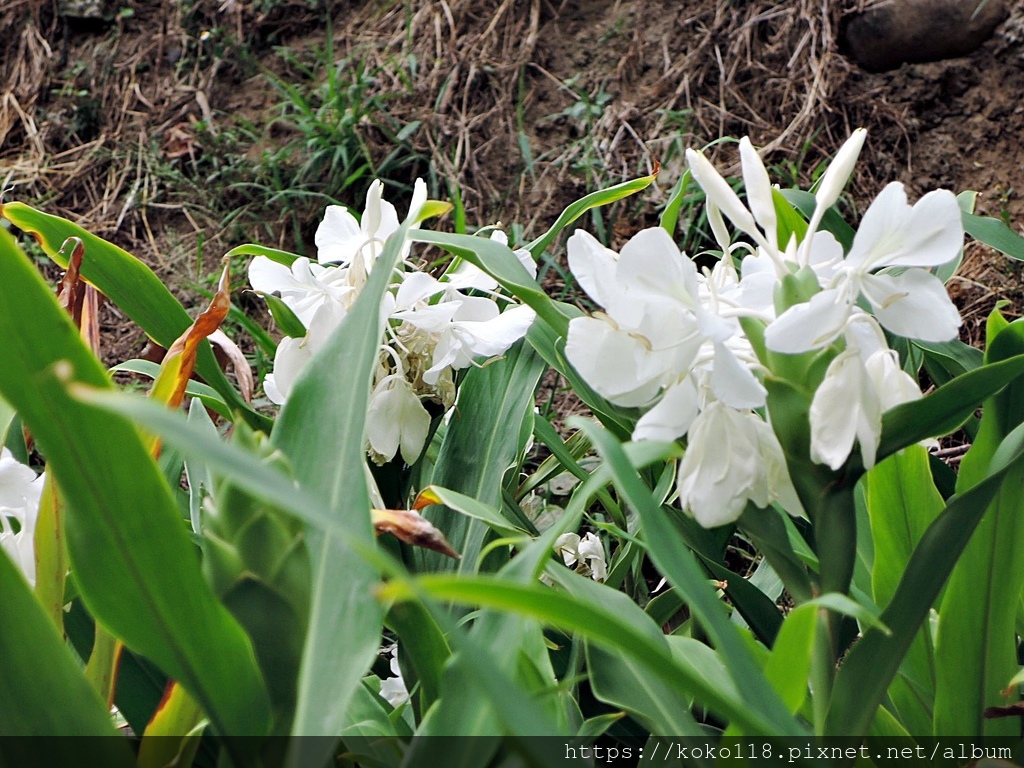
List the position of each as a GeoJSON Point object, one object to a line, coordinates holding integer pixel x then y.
{"type": "Point", "coordinates": [972, 666]}
{"type": "Point", "coordinates": [44, 690]}
{"type": "Point", "coordinates": [955, 357]}
{"type": "Point", "coordinates": [242, 467]}
{"type": "Point", "coordinates": [865, 615]}
{"type": "Point", "coordinates": [474, 509]}
{"type": "Point", "coordinates": [873, 661]}
{"type": "Point", "coordinates": [254, 249]}
{"type": "Point", "coordinates": [285, 318]}
{"type": "Point", "coordinates": [133, 287]}
{"type": "Point", "coordinates": [584, 204]}
{"type": "Point", "coordinates": [134, 565]}
{"type": "Point", "coordinates": [790, 223]}
{"type": "Point", "coordinates": [676, 562]}
{"type": "Point", "coordinates": [591, 619]}
{"type": "Point", "coordinates": [994, 233]}
{"type": "Point", "coordinates": [670, 216]}
{"type": "Point", "coordinates": [322, 432]}
{"type": "Point", "coordinates": [832, 222]}
{"type": "Point", "coordinates": [481, 443]}
{"type": "Point", "coordinates": [789, 664]}
{"type": "Point", "coordinates": [902, 502]}
{"type": "Point", "coordinates": [624, 683]}
{"type": "Point", "coordinates": [424, 644]}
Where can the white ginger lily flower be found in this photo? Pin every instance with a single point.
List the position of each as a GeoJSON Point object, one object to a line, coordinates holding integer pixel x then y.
{"type": "Point", "coordinates": [396, 419]}
{"type": "Point", "coordinates": [587, 550]}
{"type": "Point", "coordinates": [340, 239]}
{"type": "Point", "coordinates": [293, 354]}
{"type": "Point", "coordinates": [467, 328]}
{"type": "Point", "coordinates": [393, 689]}
{"type": "Point", "coordinates": [860, 385]}
{"type": "Point", "coordinates": [20, 492]}
{"type": "Point", "coordinates": [648, 335]}
{"type": "Point", "coordinates": [304, 287]}
{"type": "Point", "coordinates": [732, 458]}
{"type": "Point", "coordinates": [912, 303]}
{"type": "Point", "coordinates": [662, 323]}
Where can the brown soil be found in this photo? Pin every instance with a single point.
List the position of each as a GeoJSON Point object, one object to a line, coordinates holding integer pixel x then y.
{"type": "Point", "coordinates": [524, 105]}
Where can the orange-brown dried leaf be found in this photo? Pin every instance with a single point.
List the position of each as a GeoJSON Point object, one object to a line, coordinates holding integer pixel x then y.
{"type": "Point", "coordinates": [71, 291]}
{"type": "Point", "coordinates": [90, 319]}
{"type": "Point", "coordinates": [413, 529]}
{"type": "Point", "coordinates": [425, 499]}
{"type": "Point", "coordinates": [180, 360]}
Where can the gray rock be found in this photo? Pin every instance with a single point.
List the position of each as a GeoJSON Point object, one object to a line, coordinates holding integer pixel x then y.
{"type": "Point", "coordinates": [894, 32]}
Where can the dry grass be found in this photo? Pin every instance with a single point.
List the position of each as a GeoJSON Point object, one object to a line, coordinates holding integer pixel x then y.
{"type": "Point", "coordinates": [590, 91]}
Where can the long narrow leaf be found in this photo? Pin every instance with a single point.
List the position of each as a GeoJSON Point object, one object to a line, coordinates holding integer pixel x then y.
{"type": "Point", "coordinates": [321, 430]}
{"type": "Point", "coordinates": [679, 566]}
{"type": "Point", "coordinates": [589, 619]}
{"type": "Point", "coordinates": [133, 562]}
{"type": "Point", "coordinates": [871, 664]}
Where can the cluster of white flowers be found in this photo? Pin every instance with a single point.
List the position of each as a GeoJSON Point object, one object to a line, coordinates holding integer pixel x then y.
{"type": "Point", "coordinates": [20, 490]}
{"type": "Point", "coordinates": [669, 339]}
{"type": "Point", "coordinates": [435, 327]}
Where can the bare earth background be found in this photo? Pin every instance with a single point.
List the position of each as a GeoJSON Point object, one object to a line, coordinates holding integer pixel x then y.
{"type": "Point", "coordinates": [159, 124]}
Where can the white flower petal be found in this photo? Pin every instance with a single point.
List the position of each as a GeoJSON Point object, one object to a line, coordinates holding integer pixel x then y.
{"type": "Point", "coordinates": [568, 546]}
{"type": "Point", "coordinates": [811, 325]}
{"type": "Point", "coordinates": [913, 304]}
{"type": "Point", "coordinates": [838, 173]}
{"type": "Point", "coordinates": [672, 416]}
{"type": "Point", "coordinates": [894, 234]}
{"type": "Point", "coordinates": [612, 361]}
{"type": "Point", "coordinates": [292, 355]}
{"type": "Point", "coordinates": [721, 466]}
{"type": "Point", "coordinates": [416, 287]}
{"type": "Point", "coordinates": [893, 385]}
{"type": "Point", "coordinates": [592, 552]}
{"type": "Point", "coordinates": [396, 419]}
{"type": "Point", "coordinates": [718, 191]}
{"type": "Point", "coordinates": [492, 337]}
{"type": "Point", "coordinates": [759, 189]}
{"type": "Point", "coordinates": [338, 237]}
{"type": "Point", "coordinates": [594, 268]}
{"type": "Point", "coordinates": [267, 276]}
{"type": "Point", "coordinates": [527, 260]}
{"type": "Point", "coordinates": [651, 268]}
{"type": "Point", "coordinates": [733, 382]}
{"type": "Point", "coordinates": [845, 409]}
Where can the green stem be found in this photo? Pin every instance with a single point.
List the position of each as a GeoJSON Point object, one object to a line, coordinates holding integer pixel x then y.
{"type": "Point", "coordinates": [823, 672]}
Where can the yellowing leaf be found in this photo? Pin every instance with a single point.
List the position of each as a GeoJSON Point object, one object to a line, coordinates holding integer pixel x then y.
{"type": "Point", "coordinates": [180, 361]}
